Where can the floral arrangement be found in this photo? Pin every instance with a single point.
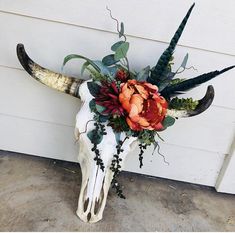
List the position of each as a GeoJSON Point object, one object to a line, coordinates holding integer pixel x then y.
{"type": "Point", "coordinates": [137, 103]}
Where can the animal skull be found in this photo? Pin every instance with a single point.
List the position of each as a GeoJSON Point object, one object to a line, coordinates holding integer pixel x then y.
{"type": "Point", "coordinates": [95, 182]}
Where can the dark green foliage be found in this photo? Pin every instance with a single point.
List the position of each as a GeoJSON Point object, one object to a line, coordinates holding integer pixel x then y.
{"type": "Point", "coordinates": [143, 74]}
{"type": "Point", "coordinates": [115, 168]}
{"type": "Point", "coordinates": [121, 32]}
{"type": "Point", "coordinates": [168, 121]}
{"type": "Point", "coordinates": [183, 104]}
{"type": "Point", "coordinates": [147, 136]}
{"type": "Point", "coordinates": [96, 136]}
{"type": "Point", "coordinates": [176, 81]}
{"type": "Point", "coordinates": [191, 83]}
{"type": "Point", "coordinates": [94, 88]}
{"type": "Point", "coordinates": [118, 124]}
{"type": "Point", "coordinates": [109, 60]}
{"type": "Point", "coordinates": [161, 68]}
{"type": "Point", "coordinates": [142, 148]}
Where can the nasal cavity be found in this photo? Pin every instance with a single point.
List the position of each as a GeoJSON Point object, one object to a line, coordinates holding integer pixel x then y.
{"type": "Point", "coordinates": [97, 207]}
{"type": "Point", "coordinates": [88, 216]}
{"type": "Point", "coordinates": [86, 204]}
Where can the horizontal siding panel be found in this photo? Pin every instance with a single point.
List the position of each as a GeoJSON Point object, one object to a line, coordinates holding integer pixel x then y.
{"type": "Point", "coordinates": [24, 97]}
{"type": "Point", "coordinates": [184, 164]}
{"type": "Point", "coordinates": [56, 141]}
{"type": "Point", "coordinates": [211, 26]}
{"type": "Point", "coordinates": [48, 43]}
{"type": "Point", "coordinates": [37, 138]}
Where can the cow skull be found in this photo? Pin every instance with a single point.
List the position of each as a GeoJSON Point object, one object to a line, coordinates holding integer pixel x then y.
{"type": "Point", "coordinates": [95, 182]}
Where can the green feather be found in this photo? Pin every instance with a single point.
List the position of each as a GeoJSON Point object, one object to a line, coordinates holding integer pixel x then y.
{"type": "Point", "coordinates": [162, 64]}
{"type": "Point", "coordinates": [191, 83]}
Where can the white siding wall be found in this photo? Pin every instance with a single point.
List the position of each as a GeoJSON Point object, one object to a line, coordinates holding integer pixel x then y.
{"type": "Point", "coordinates": [37, 120]}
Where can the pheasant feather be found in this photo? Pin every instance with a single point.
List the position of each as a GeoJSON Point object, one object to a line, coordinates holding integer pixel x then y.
{"type": "Point", "coordinates": [191, 83]}
{"type": "Point", "coordinates": [158, 71]}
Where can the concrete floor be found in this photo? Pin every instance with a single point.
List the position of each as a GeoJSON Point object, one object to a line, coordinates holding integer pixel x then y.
{"type": "Point", "coordinates": [38, 194]}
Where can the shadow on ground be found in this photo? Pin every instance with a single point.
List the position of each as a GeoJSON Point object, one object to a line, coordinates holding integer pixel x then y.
{"type": "Point", "coordinates": [38, 194]}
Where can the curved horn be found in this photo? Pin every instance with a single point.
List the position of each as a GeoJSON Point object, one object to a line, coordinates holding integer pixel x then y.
{"type": "Point", "coordinates": [69, 85]}
{"type": "Point", "coordinates": [203, 104]}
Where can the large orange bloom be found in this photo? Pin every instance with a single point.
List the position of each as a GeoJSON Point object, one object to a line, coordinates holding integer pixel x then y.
{"type": "Point", "coordinates": [145, 107]}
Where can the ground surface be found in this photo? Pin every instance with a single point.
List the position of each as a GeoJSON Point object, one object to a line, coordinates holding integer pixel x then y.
{"type": "Point", "coordinates": [38, 194]}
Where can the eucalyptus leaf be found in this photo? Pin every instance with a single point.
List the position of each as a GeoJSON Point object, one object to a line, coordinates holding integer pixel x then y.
{"type": "Point", "coordinates": [92, 105]}
{"type": "Point", "coordinates": [121, 51]}
{"type": "Point", "coordinates": [103, 69]}
{"type": "Point", "coordinates": [95, 137]}
{"type": "Point", "coordinates": [99, 108]}
{"type": "Point", "coordinates": [143, 74]}
{"type": "Point", "coordinates": [116, 45]}
{"type": "Point", "coordinates": [184, 63]}
{"type": "Point", "coordinates": [121, 32]}
{"type": "Point", "coordinates": [103, 118]}
{"type": "Point", "coordinates": [94, 88]}
{"type": "Point", "coordinates": [168, 121]}
{"type": "Point", "coordinates": [113, 70]}
{"type": "Point", "coordinates": [109, 60]}
{"type": "Point", "coordinates": [117, 137]}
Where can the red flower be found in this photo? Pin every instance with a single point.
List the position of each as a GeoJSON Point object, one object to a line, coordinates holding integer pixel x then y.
{"type": "Point", "coordinates": [109, 98]}
{"type": "Point", "coordinates": [121, 75]}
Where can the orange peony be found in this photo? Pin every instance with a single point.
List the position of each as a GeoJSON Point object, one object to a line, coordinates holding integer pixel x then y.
{"type": "Point", "coordinates": [145, 107]}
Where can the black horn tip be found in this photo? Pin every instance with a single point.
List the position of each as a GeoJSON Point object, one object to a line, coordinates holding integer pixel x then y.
{"type": "Point", "coordinates": [205, 102]}
{"type": "Point", "coordinates": [23, 57]}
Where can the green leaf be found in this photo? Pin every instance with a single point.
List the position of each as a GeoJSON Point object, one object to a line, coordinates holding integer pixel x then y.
{"type": "Point", "coordinates": [103, 118]}
{"type": "Point", "coordinates": [113, 70]}
{"type": "Point", "coordinates": [121, 32]}
{"type": "Point", "coordinates": [184, 63]}
{"type": "Point", "coordinates": [109, 60]}
{"type": "Point", "coordinates": [84, 66]}
{"type": "Point", "coordinates": [168, 121]}
{"type": "Point", "coordinates": [92, 105]}
{"type": "Point", "coordinates": [116, 45]}
{"type": "Point", "coordinates": [94, 88]}
{"type": "Point", "coordinates": [121, 51]}
{"type": "Point", "coordinates": [100, 108]}
{"type": "Point", "coordinates": [103, 69]}
{"type": "Point", "coordinates": [143, 74]}
{"type": "Point", "coordinates": [117, 137]}
{"type": "Point", "coordinates": [75, 56]}
{"type": "Point", "coordinates": [95, 137]}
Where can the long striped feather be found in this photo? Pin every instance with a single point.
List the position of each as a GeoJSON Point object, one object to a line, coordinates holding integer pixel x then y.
{"type": "Point", "coordinates": [161, 67]}
{"type": "Point", "coordinates": [191, 83]}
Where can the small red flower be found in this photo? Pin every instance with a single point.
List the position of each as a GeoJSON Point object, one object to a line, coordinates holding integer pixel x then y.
{"type": "Point", "coordinates": [121, 75]}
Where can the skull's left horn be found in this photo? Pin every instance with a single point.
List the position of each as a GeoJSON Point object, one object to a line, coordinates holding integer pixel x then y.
{"type": "Point", "coordinates": [203, 104]}
{"type": "Point", "coordinates": [69, 85]}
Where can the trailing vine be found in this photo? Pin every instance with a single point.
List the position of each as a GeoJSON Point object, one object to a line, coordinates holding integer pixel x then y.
{"type": "Point", "coordinates": [115, 168]}
{"type": "Point", "coordinates": [142, 148]}
{"type": "Point", "coordinates": [96, 136]}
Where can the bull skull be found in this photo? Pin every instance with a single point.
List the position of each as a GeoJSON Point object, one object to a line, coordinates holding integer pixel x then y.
{"type": "Point", "coordinates": [95, 182]}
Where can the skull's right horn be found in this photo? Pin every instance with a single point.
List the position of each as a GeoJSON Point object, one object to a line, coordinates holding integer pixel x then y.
{"type": "Point", "coordinates": [69, 85]}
